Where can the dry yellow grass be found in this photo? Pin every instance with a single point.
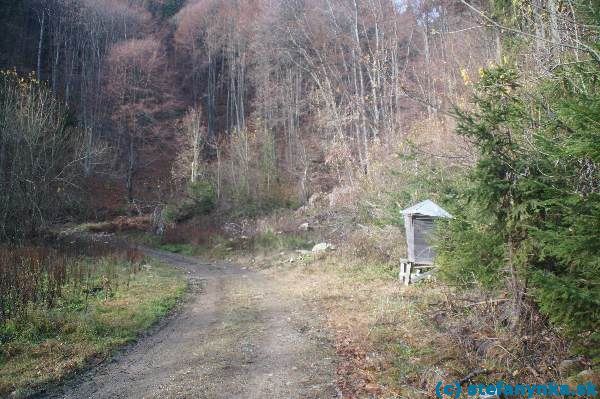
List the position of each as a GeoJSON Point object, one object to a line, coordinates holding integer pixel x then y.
{"type": "Point", "coordinates": [394, 341]}
{"type": "Point", "coordinates": [398, 342]}
{"type": "Point", "coordinates": [384, 345]}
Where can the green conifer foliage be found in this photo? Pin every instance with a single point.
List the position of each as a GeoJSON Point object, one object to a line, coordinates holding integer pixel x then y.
{"type": "Point", "coordinates": [530, 218]}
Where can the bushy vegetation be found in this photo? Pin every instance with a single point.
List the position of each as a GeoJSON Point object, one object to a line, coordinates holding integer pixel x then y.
{"type": "Point", "coordinates": [40, 277]}
{"type": "Point", "coordinates": [60, 312]}
{"type": "Point", "coordinates": [200, 200]}
{"type": "Point", "coordinates": [528, 221]}
{"type": "Point", "coordinates": [39, 157]}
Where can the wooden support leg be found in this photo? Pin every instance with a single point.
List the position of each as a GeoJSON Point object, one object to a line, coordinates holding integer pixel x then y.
{"type": "Point", "coordinates": [407, 274]}
{"type": "Point", "coordinates": [401, 272]}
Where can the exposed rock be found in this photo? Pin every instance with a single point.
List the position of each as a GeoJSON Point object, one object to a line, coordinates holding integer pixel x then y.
{"type": "Point", "coordinates": [304, 227]}
{"type": "Point", "coordinates": [322, 247]}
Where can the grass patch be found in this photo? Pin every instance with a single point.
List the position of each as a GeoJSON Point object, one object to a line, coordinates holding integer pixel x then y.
{"type": "Point", "coordinates": [271, 241]}
{"type": "Point", "coordinates": [386, 344]}
{"type": "Point", "coordinates": [183, 249]}
{"type": "Point", "coordinates": [141, 238]}
{"type": "Point", "coordinates": [219, 247]}
{"type": "Point", "coordinates": [397, 341]}
{"type": "Point", "coordinates": [363, 272]}
{"type": "Point", "coordinates": [43, 346]}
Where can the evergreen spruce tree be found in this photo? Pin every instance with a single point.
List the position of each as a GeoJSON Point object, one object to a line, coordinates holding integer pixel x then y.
{"type": "Point", "coordinates": [531, 209]}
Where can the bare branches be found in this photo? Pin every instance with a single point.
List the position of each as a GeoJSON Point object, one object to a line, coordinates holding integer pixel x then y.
{"type": "Point", "coordinates": [580, 46]}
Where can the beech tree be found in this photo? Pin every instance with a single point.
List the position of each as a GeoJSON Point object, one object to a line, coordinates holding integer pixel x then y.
{"type": "Point", "coordinates": [337, 76]}
{"type": "Point", "coordinates": [300, 86]}
{"type": "Point", "coordinates": [134, 82]}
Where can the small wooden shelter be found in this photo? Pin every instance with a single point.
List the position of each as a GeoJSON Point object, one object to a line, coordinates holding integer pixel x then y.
{"type": "Point", "coordinates": [419, 223]}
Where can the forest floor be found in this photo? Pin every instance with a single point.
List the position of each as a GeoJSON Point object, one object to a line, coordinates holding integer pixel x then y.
{"type": "Point", "coordinates": [236, 335]}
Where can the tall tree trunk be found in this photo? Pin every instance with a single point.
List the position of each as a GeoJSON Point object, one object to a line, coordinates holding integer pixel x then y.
{"type": "Point", "coordinates": [498, 40]}
{"type": "Point", "coordinates": [540, 31]}
{"type": "Point", "coordinates": [363, 109]}
{"type": "Point", "coordinates": [130, 169]}
{"type": "Point", "coordinates": [554, 33]}
{"type": "Point", "coordinates": [41, 44]}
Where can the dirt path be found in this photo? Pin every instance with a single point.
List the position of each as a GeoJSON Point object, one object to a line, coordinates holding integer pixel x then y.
{"type": "Point", "coordinates": [235, 337]}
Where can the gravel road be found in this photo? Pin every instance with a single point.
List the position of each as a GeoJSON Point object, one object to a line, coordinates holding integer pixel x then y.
{"type": "Point", "coordinates": [235, 336]}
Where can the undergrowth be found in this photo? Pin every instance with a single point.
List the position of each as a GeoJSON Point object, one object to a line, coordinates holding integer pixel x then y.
{"type": "Point", "coordinates": [41, 345]}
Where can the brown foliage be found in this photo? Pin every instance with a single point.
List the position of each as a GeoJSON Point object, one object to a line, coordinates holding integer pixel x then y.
{"type": "Point", "coordinates": [122, 223]}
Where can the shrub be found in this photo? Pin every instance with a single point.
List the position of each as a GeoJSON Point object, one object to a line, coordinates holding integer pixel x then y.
{"type": "Point", "coordinates": [202, 195]}
{"type": "Point", "coordinates": [39, 153]}
{"type": "Point", "coordinates": [37, 276]}
{"type": "Point", "coordinates": [534, 196]}
{"type": "Point", "coordinates": [470, 254]}
{"type": "Point", "coordinates": [200, 200]}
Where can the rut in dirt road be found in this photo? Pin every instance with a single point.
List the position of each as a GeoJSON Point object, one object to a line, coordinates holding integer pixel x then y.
{"type": "Point", "coordinates": [234, 337]}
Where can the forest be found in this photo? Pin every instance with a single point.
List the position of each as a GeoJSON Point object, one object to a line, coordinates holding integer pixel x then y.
{"type": "Point", "coordinates": [145, 144]}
